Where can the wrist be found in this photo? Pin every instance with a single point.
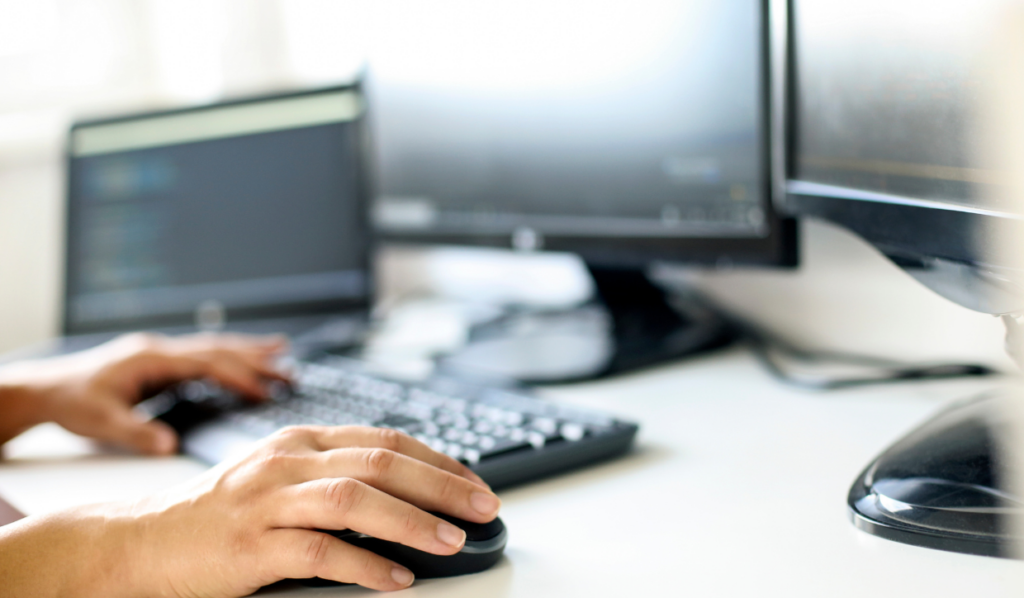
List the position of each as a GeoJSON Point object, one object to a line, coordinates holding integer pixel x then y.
{"type": "Point", "coordinates": [24, 401]}
{"type": "Point", "coordinates": [93, 551]}
{"type": "Point", "coordinates": [113, 558]}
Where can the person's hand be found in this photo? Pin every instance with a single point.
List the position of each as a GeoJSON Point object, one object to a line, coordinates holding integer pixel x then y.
{"type": "Point", "coordinates": [248, 524]}
{"type": "Point", "coordinates": [92, 392]}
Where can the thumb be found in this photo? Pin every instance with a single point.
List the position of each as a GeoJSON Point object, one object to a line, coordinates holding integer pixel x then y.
{"type": "Point", "coordinates": [150, 437]}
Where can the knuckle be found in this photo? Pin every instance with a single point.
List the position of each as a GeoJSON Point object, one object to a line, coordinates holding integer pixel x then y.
{"type": "Point", "coordinates": [389, 439]}
{"type": "Point", "coordinates": [317, 551]}
{"type": "Point", "coordinates": [368, 569]}
{"type": "Point", "coordinates": [410, 526]}
{"type": "Point", "coordinates": [295, 433]}
{"type": "Point", "coordinates": [142, 343]}
{"type": "Point", "coordinates": [276, 461]}
{"type": "Point", "coordinates": [379, 462]}
{"type": "Point", "coordinates": [449, 487]}
{"type": "Point", "coordinates": [142, 338]}
{"type": "Point", "coordinates": [343, 495]}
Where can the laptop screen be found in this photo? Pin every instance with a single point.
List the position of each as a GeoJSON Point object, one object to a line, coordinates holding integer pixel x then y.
{"type": "Point", "coordinates": [252, 208]}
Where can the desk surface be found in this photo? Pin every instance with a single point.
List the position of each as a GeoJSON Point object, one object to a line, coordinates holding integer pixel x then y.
{"type": "Point", "coordinates": [737, 488]}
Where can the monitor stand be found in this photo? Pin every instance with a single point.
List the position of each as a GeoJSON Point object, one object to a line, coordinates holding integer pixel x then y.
{"type": "Point", "coordinates": [943, 485]}
{"type": "Point", "coordinates": [632, 324]}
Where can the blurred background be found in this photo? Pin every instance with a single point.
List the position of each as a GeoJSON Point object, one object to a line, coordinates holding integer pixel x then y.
{"type": "Point", "coordinates": [67, 59]}
{"type": "Point", "coordinates": [62, 60]}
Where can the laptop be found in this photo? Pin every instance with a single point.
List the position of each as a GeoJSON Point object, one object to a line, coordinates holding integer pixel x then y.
{"type": "Point", "coordinates": [245, 215]}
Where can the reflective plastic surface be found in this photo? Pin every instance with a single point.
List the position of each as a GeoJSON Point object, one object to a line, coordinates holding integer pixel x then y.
{"type": "Point", "coordinates": [942, 486]}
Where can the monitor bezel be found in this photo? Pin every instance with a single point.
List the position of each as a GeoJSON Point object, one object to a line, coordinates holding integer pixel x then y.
{"type": "Point", "coordinates": [778, 248]}
{"type": "Point", "coordinates": [906, 229]}
{"type": "Point", "coordinates": [283, 310]}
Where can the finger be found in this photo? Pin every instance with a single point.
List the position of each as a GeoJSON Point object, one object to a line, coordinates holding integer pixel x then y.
{"type": "Point", "coordinates": [166, 367]}
{"type": "Point", "coordinates": [301, 554]}
{"type": "Point", "coordinates": [226, 370]}
{"type": "Point", "coordinates": [346, 503]}
{"type": "Point", "coordinates": [409, 479]}
{"type": "Point", "coordinates": [256, 353]}
{"type": "Point", "coordinates": [263, 364]}
{"type": "Point", "coordinates": [236, 376]}
{"type": "Point", "coordinates": [336, 437]}
{"type": "Point", "coordinates": [262, 346]}
{"type": "Point", "coordinates": [149, 437]}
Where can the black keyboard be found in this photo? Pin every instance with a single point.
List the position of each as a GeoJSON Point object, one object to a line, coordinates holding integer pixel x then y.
{"type": "Point", "coordinates": [506, 435]}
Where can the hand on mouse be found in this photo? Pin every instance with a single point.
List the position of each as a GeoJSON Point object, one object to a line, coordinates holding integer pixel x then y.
{"type": "Point", "coordinates": [250, 523]}
{"type": "Point", "coordinates": [92, 392]}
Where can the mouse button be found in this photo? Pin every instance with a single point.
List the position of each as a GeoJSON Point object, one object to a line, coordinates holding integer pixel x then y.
{"type": "Point", "coordinates": [475, 532]}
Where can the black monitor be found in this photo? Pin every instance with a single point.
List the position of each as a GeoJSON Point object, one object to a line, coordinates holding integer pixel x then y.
{"type": "Point", "coordinates": [245, 209]}
{"type": "Point", "coordinates": [627, 134]}
{"type": "Point", "coordinates": [881, 114]}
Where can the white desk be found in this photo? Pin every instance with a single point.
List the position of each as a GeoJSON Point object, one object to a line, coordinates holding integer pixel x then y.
{"type": "Point", "coordinates": [738, 488]}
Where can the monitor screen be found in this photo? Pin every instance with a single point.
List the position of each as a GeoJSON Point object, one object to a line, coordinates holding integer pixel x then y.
{"type": "Point", "coordinates": [534, 122]}
{"type": "Point", "coordinates": [252, 206]}
{"type": "Point", "coordinates": [888, 97]}
{"type": "Point", "coordinates": [888, 125]}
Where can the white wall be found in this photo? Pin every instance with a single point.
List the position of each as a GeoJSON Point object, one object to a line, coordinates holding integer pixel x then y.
{"type": "Point", "coordinates": [31, 215]}
{"type": "Point", "coordinates": [844, 296]}
{"type": "Point", "coordinates": [847, 296]}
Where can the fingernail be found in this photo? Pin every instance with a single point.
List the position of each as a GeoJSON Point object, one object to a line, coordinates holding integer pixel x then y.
{"type": "Point", "coordinates": [449, 534]}
{"type": "Point", "coordinates": [483, 503]}
{"type": "Point", "coordinates": [402, 576]}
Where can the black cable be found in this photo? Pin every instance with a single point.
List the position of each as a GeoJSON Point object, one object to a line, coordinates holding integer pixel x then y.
{"type": "Point", "coordinates": [766, 345]}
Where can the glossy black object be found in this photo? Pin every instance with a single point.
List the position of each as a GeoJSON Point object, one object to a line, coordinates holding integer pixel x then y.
{"type": "Point", "coordinates": [941, 486]}
{"type": "Point", "coordinates": [485, 543]}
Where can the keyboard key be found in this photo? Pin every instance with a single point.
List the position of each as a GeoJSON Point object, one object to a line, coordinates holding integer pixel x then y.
{"type": "Point", "coordinates": [471, 456]}
{"type": "Point", "coordinates": [544, 424]}
{"type": "Point", "coordinates": [572, 432]}
{"type": "Point", "coordinates": [512, 418]}
{"type": "Point", "coordinates": [468, 423]}
{"type": "Point", "coordinates": [501, 446]}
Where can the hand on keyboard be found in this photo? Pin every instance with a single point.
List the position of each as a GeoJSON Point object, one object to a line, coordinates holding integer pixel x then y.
{"type": "Point", "coordinates": [92, 392]}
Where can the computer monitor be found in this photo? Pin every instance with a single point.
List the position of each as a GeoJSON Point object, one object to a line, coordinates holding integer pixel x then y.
{"type": "Point", "coordinates": [881, 120]}
{"type": "Point", "coordinates": [244, 209]}
{"type": "Point", "coordinates": [627, 133]}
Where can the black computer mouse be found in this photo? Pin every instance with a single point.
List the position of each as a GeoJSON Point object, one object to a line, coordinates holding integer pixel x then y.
{"type": "Point", "coordinates": [485, 543]}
